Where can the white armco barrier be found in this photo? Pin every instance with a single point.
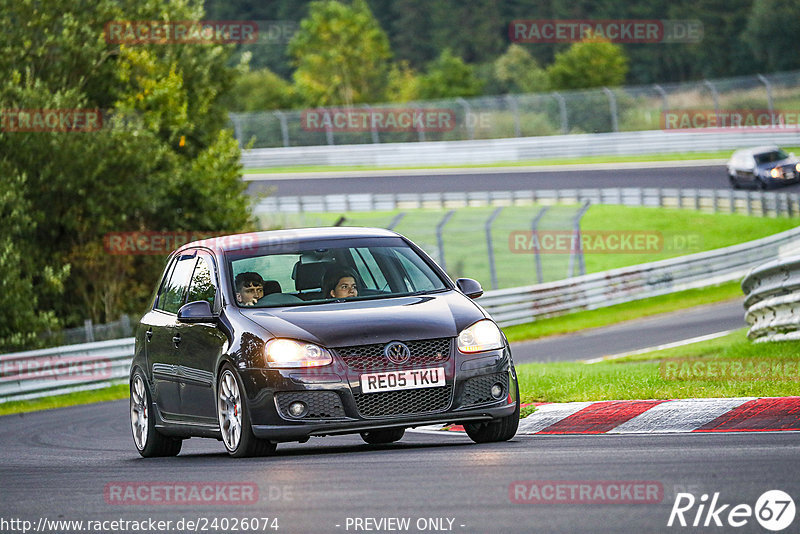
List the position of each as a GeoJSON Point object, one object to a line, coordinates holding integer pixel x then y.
{"type": "Point", "coordinates": [773, 300]}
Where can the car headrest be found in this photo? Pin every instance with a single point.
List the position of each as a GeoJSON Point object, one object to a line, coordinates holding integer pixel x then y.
{"type": "Point", "coordinates": [272, 286]}
{"type": "Point", "coordinates": [308, 275]}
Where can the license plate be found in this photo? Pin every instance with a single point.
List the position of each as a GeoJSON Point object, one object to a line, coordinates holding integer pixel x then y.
{"type": "Point", "coordinates": [397, 380]}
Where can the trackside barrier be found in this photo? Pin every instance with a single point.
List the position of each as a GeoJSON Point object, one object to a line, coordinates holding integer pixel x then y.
{"type": "Point", "coordinates": [524, 304]}
{"type": "Point", "coordinates": [518, 149]}
{"type": "Point", "coordinates": [40, 373]}
{"type": "Point", "coordinates": [773, 300]}
{"type": "Point", "coordinates": [770, 203]}
{"type": "Point", "coordinates": [66, 369]}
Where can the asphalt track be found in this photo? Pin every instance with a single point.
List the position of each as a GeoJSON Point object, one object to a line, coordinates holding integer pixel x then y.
{"type": "Point", "coordinates": [59, 464]}
{"type": "Point", "coordinates": [497, 179]}
{"type": "Point", "coordinates": [634, 335]}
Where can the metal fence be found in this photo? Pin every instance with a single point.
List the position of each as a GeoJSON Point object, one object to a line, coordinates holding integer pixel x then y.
{"type": "Point", "coordinates": [773, 300]}
{"type": "Point", "coordinates": [480, 242]}
{"type": "Point", "coordinates": [89, 332]}
{"type": "Point", "coordinates": [623, 109]}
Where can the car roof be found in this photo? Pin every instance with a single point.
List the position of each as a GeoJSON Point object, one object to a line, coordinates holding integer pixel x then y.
{"type": "Point", "coordinates": [756, 150]}
{"type": "Point", "coordinates": [253, 240]}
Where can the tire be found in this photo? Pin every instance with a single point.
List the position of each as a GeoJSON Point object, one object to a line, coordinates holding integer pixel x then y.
{"type": "Point", "coordinates": [761, 185]}
{"type": "Point", "coordinates": [379, 437]}
{"type": "Point", "coordinates": [733, 182]}
{"type": "Point", "coordinates": [234, 419]}
{"type": "Point", "coordinates": [502, 429]}
{"type": "Point", "coordinates": [148, 441]}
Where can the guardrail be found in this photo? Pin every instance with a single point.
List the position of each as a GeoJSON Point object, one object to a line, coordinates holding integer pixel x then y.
{"type": "Point", "coordinates": [773, 300]}
{"type": "Point", "coordinates": [710, 200]}
{"type": "Point", "coordinates": [40, 373]}
{"type": "Point", "coordinates": [524, 304]}
{"type": "Point", "coordinates": [520, 149]}
{"type": "Point", "coordinates": [66, 369]}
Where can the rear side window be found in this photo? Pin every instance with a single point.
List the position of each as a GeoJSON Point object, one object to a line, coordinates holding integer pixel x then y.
{"type": "Point", "coordinates": [173, 293]}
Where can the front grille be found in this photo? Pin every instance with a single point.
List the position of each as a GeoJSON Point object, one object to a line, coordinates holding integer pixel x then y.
{"type": "Point", "coordinates": [477, 390]}
{"type": "Point", "coordinates": [321, 404]}
{"type": "Point", "coordinates": [405, 402]}
{"type": "Point", "coordinates": [370, 357]}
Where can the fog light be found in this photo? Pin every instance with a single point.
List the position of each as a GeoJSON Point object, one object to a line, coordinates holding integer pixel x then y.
{"type": "Point", "coordinates": [298, 409]}
{"type": "Point", "coordinates": [497, 391]}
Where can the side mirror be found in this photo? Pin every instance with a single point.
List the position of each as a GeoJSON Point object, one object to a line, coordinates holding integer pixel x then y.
{"type": "Point", "coordinates": [468, 286]}
{"type": "Point", "coordinates": [198, 311]}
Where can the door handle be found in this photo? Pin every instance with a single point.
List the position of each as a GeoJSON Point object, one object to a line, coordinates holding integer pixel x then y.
{"type": "Point", "coordinates": [176, 339]}
{"type": "Point", "coordinates": [149, 334]}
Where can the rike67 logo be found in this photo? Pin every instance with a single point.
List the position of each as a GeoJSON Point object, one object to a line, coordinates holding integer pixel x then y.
{"type": "Point", "coordinates": [774, 510]}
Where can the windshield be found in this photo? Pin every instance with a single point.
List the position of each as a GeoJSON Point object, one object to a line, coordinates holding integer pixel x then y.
{"type": "Point", "coordinates": [338, 270]}
{"type": "Point", "coordinates": [770, 157]}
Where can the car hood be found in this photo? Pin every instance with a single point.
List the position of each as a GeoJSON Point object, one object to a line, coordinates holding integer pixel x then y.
{"type": "Point", "coordinates": [339, 324]}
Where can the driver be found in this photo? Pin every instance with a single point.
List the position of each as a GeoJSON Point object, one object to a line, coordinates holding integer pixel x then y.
{"type": "Point", "coordinates": [249, 288]}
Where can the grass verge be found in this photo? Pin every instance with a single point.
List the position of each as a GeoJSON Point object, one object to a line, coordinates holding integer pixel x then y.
{"type": "Point", "coordinates": [117, 392]}
{"type": "Point", "coordinates": [691, 371]}
{"type": "Point", "coordinates": [626, 311]}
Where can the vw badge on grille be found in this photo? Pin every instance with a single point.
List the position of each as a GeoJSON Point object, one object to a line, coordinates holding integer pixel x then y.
{"type": "Point", "coordinates": [398, 353]}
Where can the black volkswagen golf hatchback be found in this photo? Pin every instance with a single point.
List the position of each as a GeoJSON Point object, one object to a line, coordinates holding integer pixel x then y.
{"type": "Point", "coordinates": [256, 339]}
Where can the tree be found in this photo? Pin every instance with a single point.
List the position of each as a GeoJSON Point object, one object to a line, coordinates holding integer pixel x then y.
{"type": "Point", "coordinates": [163, 160]}
{"type": "Point", "coordinates": [340, 54]}
{"type": "Point", "coordinates": [774, 47]}
{"type": "Point", "coordinates": [260, 90]}
{"type": "Point", "coordinates": [519, 72]}
{"type": "Point", "coordinates": [21, 291]}
{"type": "Point", "coordinates": [592, 62]}
{"type": "Point", "coordinates": [403, 83]}
{"type": "Point", "coordinates": [449, 77]}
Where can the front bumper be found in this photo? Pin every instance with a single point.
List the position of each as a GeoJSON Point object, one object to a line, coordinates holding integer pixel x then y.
{"type": "Point", "coordinates": [338, 406]}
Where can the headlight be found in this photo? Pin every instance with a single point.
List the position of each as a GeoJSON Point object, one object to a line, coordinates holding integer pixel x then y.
{"type": "Point", "coordinates": [775, 173]}
{"type": "Point", "coordinates": [481, 336]}
{"type": "Point", "coordinates": [290, 353]}
{"type": "Point", "coordinates": [797, 167]}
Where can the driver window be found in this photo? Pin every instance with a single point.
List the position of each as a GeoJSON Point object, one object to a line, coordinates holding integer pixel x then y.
{"type": "Point", "coordinates": [204, 284]}
{"type": "Point", "coordinates": [173, 293]}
